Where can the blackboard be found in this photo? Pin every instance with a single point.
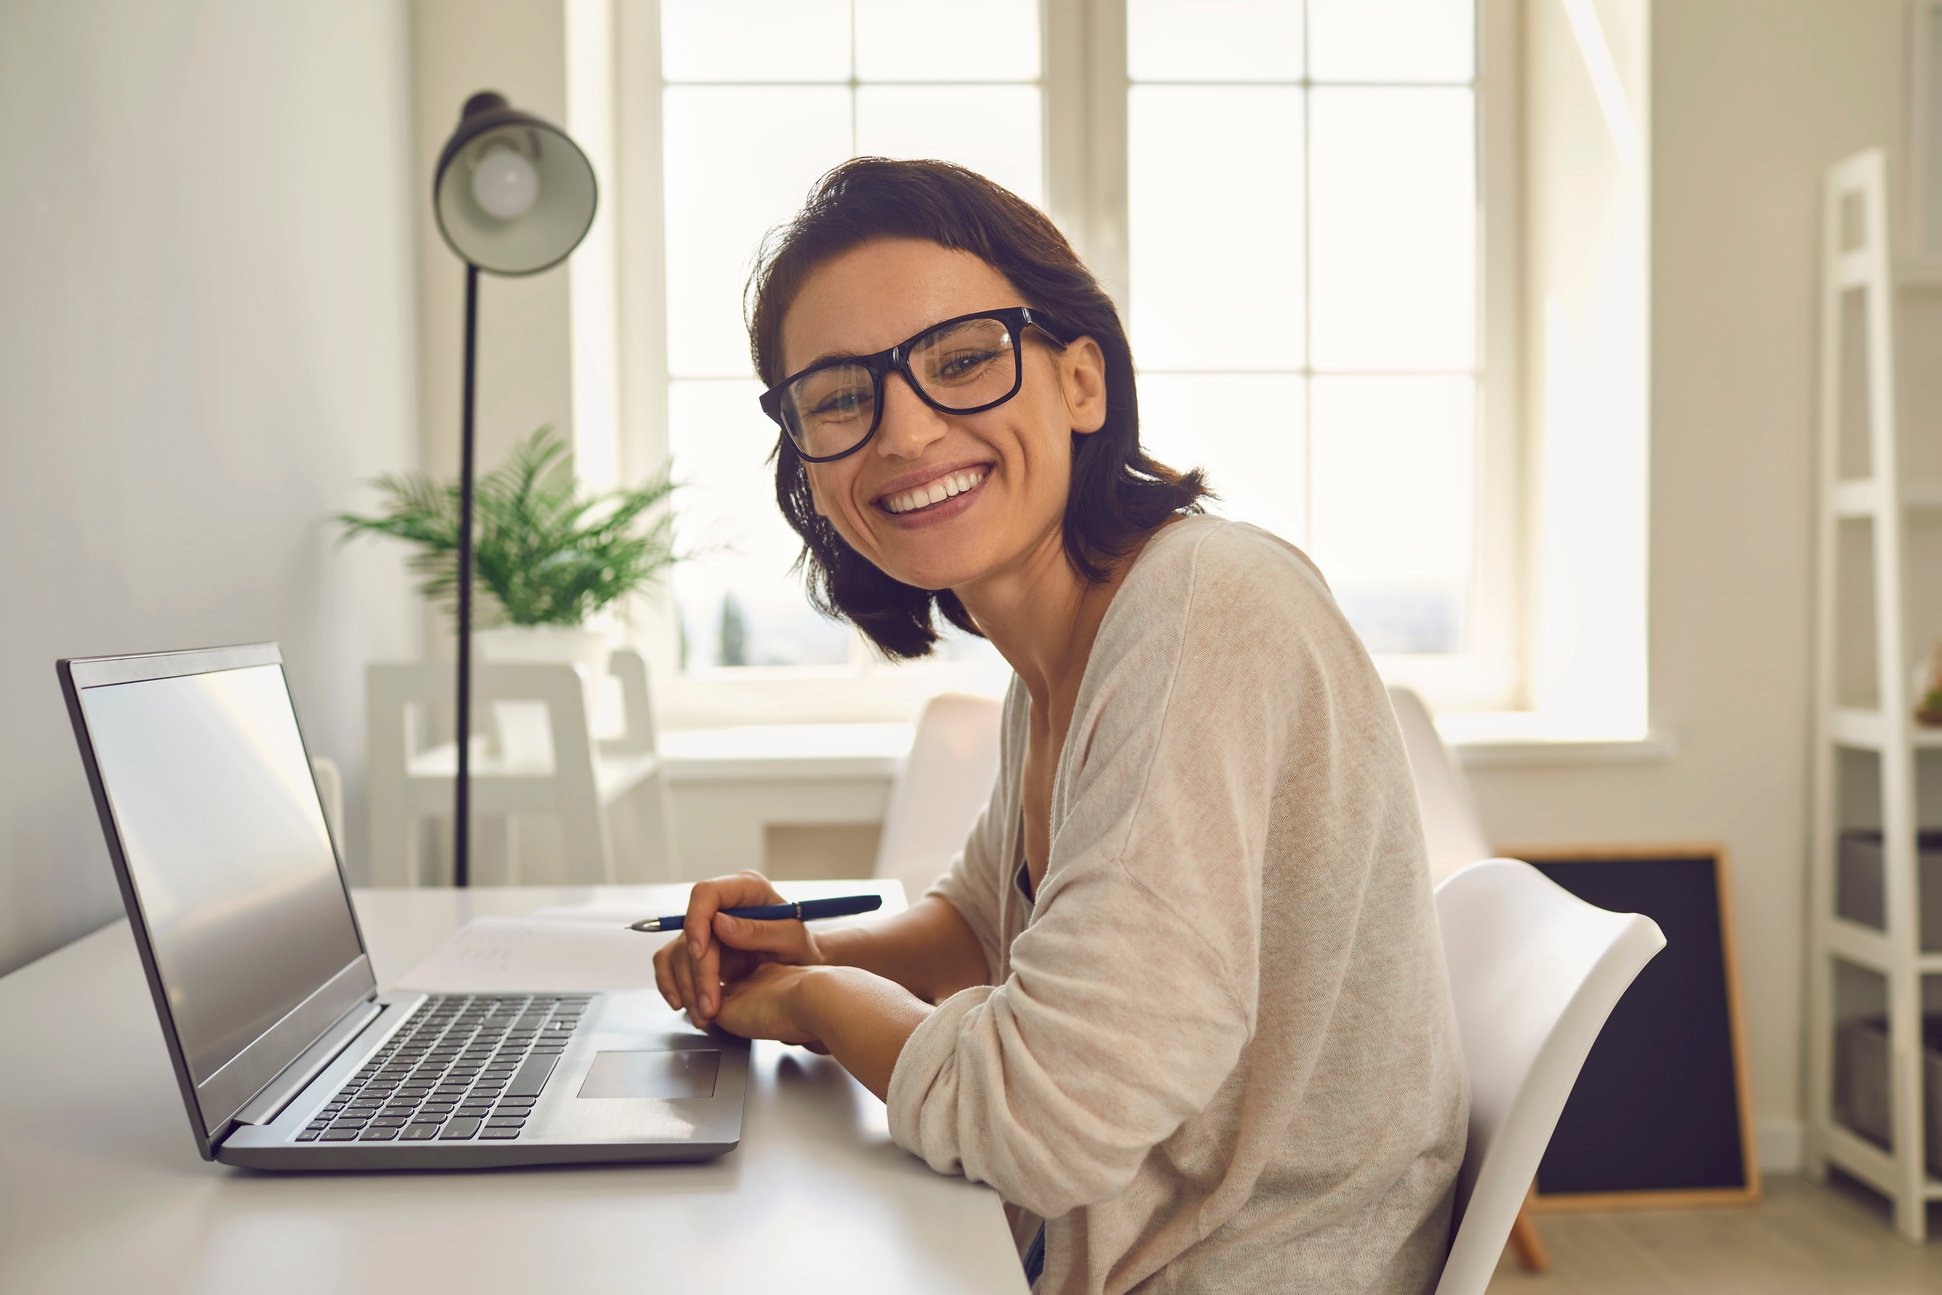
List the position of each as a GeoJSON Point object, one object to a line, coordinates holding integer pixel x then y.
{"type": "Point", "coordinates": [1661, 1114]}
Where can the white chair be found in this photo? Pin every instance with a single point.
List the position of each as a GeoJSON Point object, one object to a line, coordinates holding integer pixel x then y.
{"type": "Point", "coordinates": [579, 780]}
{"type": "Point", "coordinates": [1452, 824]}
{"type": "Point", "coordinates": [1453, 836]}
{"type": "Point", "coordinates": [330, 794]}
{"type": "Point", "coordinates": [1534, 972]}
{"type": "Point", "coordinates": [944, 783]}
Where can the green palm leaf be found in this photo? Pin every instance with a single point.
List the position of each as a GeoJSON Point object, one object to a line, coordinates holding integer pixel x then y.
{"type": "Point", "coordinates": [543, 553]}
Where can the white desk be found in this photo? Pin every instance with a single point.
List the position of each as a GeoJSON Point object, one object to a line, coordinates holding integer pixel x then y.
{"type": "Point", "coordinates": [101, 1189]}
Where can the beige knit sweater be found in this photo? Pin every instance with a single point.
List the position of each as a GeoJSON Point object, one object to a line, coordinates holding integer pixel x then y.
{"type": "Point", "coordinates": [1217, 1053]}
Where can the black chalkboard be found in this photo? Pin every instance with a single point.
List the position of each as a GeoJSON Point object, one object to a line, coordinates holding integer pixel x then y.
{"type": "Point", "coordinates": [1660, 1113]}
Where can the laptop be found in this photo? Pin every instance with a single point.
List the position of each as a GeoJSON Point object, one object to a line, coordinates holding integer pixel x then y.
{"type": "Point", "coordinates": [287, 1055]}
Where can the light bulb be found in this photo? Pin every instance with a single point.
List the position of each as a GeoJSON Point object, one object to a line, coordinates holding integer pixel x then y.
{"type": "Point", "coordinates": [505, 184]}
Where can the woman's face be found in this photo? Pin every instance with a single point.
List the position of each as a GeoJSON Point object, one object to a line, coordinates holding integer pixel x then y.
{"type": "Point", "coordinates": [874, 297]}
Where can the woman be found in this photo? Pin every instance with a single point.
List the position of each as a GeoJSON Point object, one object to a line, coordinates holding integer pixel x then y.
{"type": "Point", "coordinates": [1180, 998]}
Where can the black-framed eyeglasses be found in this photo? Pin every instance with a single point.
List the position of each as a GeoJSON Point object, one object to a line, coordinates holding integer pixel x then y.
{"type": "Point", "coordinates": [961, 366]}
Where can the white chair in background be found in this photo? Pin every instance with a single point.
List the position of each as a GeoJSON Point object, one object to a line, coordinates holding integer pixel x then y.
{"type": "Point", "coordinates": [330, 792]}
{"type": "Point", "coordinates": [579, 780]}
{"type": "Point", "coordinates": [1452, 824]}
{"type": "Point", "coordinates": [1453, 836]}
{"type": "Point", "coordinates": [944, 783]}
{"type": "Point", "coordinates": [1534, 973]}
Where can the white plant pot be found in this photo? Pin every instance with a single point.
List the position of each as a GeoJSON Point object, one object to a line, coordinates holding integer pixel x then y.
{"type": "Point", "coordinates": [524, 736]}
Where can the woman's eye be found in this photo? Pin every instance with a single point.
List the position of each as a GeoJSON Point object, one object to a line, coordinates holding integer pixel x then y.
{"type": "Point", "coordinates": [840, 404]}
{"type": "Point", "coordinates": [964, 363]}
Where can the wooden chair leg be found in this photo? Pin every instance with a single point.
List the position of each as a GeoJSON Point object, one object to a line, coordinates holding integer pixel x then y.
{"type": "Point", "coordinates": [1526, 1242]}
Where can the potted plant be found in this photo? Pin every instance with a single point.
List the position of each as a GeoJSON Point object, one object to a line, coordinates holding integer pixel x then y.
{"type": "Point", "coordinates": [550, 562]}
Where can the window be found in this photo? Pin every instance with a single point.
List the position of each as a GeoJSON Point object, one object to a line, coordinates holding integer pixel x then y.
{"type": "Point", "coordinates": [1285, 200]}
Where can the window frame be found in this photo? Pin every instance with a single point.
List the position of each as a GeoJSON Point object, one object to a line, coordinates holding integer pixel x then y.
{"type": "Point", "coordinates": [1084, 83]}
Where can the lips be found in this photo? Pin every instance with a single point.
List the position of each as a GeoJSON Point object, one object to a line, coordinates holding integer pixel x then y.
{"type": "Point", "coordinates": [911, 488]}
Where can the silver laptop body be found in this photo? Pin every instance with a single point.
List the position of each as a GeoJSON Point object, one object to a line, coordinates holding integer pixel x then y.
{"type": "Point", "coordinates": [287, 1056]}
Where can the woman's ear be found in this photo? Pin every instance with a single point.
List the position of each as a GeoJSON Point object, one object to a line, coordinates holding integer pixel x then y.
{"type": "Point", "coordinates": [1082, 381]}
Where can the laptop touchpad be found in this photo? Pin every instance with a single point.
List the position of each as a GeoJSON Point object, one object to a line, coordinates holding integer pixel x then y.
{"type": "Point", "coordinates": [686, 1072]}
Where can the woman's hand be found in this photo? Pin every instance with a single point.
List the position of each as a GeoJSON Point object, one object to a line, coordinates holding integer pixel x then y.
{"type": "Point", "coordinates": [714, 949]}
{"type": "Point", "coordinates": [764, 1004]}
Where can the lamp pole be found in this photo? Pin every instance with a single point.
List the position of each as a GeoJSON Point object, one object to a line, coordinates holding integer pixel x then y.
{"type": "Point", "coordinates": [514, 195]}
{"type": "Point", "coordinates": [462, 782]}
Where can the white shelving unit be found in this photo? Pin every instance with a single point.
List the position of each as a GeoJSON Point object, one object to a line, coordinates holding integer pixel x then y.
{"type": "Point", "coordinates": [1857, 258]}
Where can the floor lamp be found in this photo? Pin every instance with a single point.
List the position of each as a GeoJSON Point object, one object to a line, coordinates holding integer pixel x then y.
{"type": "Point", "coordinates": [513, 195]}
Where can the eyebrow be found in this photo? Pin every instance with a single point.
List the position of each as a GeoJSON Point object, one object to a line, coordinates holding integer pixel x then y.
{"type": "Point", "coordinates": [827, 356]}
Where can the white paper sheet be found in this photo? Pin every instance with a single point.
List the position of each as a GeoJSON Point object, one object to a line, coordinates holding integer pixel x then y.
{"type": "Point", "coordinates": [491, 955]}
{"type": "Point", "coordinates": [617, 914]}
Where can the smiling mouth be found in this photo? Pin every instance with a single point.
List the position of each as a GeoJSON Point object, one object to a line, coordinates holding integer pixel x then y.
{"type": "Point", "coordinates": [936, 492]}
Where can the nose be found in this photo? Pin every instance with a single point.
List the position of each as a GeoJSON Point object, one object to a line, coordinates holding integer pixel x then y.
{"type": "Point", "coordinates": [908, 426]}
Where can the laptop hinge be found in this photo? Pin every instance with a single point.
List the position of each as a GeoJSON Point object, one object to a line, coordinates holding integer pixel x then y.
{"type": "Point", "coordinates": [295, 1077]}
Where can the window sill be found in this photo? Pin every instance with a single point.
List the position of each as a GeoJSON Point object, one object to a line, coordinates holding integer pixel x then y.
{"type": "Point", "coordinates": [786, 752]}
{"type": "Point", "coordinates": [1512, 739]}
{"type": "Point", "coordinates": [856, 752]}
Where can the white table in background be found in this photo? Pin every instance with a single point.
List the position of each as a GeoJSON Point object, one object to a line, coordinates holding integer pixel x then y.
{"type": "Point", "coordinates": [101, 1188]}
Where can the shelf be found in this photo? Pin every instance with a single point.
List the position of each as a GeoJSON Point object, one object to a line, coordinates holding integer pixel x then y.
{"type": "Point", "coordinates": [1849, 1151]}
{"type": "Point", "coordinates": [1886, 498]}
{"type": "Point", "coordinates": [1864, 946]}
{"type": "Point", "coordinates": [1861, 496]}
{"type": "Point", "coordinates": [1867, 730]}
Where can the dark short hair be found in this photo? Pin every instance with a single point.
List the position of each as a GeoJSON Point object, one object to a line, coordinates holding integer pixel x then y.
{"type": "Point", "coordinates": [1118, 493]}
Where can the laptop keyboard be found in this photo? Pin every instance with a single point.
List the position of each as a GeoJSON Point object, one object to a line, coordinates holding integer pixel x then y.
{"type": "Point", "coordinates": [462, 1067]}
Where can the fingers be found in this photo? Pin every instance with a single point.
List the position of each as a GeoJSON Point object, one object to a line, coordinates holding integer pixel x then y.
{"type": "Point", "coordinates": [684, 981]}
{"type": "Point", "coordinates": [743, 889]}
{"type": "Point", "coordinates": [785, 941]}
{"type": "Point", "coordinates": [664, 973]}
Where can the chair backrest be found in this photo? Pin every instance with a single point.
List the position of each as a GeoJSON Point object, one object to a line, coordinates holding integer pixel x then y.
{"type": "Point", "coordinates": [1452, 825]}
{"type": "Point", "coordinates": [407, 780]}
{"type": "Point", "coordinates": [945, 782]}
{"type": "Point", "coordinates": [1534, 973]}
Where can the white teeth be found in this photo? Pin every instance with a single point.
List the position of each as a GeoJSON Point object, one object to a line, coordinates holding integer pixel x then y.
{"type": "Point", "coordinates": [936, 491]}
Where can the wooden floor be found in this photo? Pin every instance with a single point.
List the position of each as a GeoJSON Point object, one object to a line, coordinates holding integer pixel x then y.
{"type": "Point", "coordinates": [1803, 1239]}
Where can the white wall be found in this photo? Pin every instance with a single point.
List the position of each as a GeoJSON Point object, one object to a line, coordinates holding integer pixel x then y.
{"type": "Point", "coordinates": [532, 329]}
{"type": "Point", "coordinates": [1749, 101]}
{"type": "Point", "coordinates": [208, 340]}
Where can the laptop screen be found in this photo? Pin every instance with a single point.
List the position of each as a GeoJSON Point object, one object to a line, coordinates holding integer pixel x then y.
{"type": "Point", "coordinates": [213, 799]}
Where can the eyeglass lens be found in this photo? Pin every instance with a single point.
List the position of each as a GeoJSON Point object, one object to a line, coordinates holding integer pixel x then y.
{"type": "Point", "coordinates": [959, 367]}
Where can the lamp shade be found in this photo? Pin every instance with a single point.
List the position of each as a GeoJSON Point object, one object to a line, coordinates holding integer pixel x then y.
{"type": "Point", "coordinates": [513, 194]}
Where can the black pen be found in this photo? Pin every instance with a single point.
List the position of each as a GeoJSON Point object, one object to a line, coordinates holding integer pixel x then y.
{"type": "Point", "coordinates": [842, 906]}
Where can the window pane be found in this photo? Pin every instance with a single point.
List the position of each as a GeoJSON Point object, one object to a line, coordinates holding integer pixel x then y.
{"type": "Point", "coordinates": [1393, 233]}
{"type": "Point", "coordinates": [947, 40]}
{"type": "Point", "coordinates": [1391, 40]}
{"type": "Point", "coordinates": [994, 130]}
{"type": "Point", "coordinates": [737, 601]}
{"type": "Point", "coordinates": [1394, 515]}
{"type": "Point", "coordinates": [738, 162]}
{"type": "Point", "coordinates": [1214, 225]}
{"type": "Point", "coordinates": [1245, 430]}
{"type": "Point", "coordinates": [1213, 40]}
{"type": "Point", "coordinates": [755, 40]}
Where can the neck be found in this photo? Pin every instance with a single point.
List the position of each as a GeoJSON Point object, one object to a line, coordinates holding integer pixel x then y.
{"type": "Point", "coordinates": [1043, 617]}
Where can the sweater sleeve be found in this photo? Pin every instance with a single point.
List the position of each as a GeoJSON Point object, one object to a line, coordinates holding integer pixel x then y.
{"type": "Point", "coordinates": [1132, 991]}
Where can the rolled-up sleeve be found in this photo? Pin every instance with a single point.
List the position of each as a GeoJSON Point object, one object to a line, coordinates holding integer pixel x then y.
{"type": "Point", "coordinates": [1054, 1086]}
